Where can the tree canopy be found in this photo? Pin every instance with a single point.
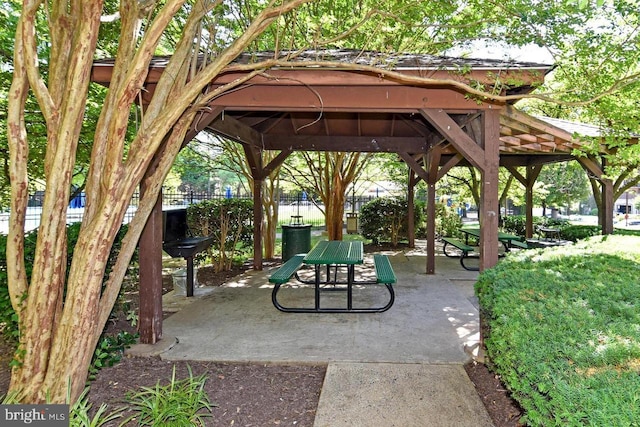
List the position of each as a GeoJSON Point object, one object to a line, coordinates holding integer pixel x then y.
{"type": "Point", "coordinates": [54, 115]}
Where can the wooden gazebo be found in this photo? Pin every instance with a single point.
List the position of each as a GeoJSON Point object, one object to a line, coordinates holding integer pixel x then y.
{"type": "Point", "coordinates": [380, 103]}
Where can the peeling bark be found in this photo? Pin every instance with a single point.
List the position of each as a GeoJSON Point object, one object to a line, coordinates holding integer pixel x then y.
{"type": "Point", "coordinates": [65, 311]}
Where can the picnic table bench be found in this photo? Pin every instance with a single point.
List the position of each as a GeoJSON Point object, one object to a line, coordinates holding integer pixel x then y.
{"type": "Point", "coordinates": [334, 255]}
{"type": "Point", "coordinates": [287, 270]}
{"type": "Point", "coordinates": [465, 251]}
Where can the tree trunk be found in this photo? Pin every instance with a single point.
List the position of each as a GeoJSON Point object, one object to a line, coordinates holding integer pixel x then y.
{"type": "Point", "coordinates": [63, 315]}
{"type": "Point", "coordinates": [335, 210]}
{"type": "Point", "coordinates": [270, 205]}
{"type": "Point", "coordinates": [331, 174]}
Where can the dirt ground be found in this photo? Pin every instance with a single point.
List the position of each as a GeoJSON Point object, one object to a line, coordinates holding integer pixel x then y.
{"type": "Point", "coordinates": [248, 394]}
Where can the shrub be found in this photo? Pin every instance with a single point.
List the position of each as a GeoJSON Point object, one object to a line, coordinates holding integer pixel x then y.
{"type": "Point", "coordinates": [623, 232]}
{"type": "Point", "coordinates": [229, 221]}
{"type": "Point", "coordinates": [385, 219]}
{"type": "Point", "coordinates": [110, 348]}
{"type": "Point", "coordinates": [516, 224]}
{"type": "Point", "coordinates": [448, 222]}
{"type": "Point", "coordinates": [109, 351]}
{"type": "Point", "coordinates": [563, 330]}
{"type": "Point", "coordinates": [579, 232]}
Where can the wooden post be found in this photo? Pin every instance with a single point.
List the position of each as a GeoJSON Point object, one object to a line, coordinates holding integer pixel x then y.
{"type": "Point", "coordinates": [257, 224]}
{"type": "Point", "coordinates": [150, 293]}
{"type": "Point", "coordinates": [527, 181]}
{"type": "Point", "coordinates": [411, 226]}
{"type": "Point", "coordinates": [431, 227]}
{"type": "Point", "coordinates": [532, 175]}
{"type": "Point", "coordinates": [607, 206]}
{"type": "Point", "coordinates": [432, 163]}
{"type": "Point", "coordinates": [489, 197]}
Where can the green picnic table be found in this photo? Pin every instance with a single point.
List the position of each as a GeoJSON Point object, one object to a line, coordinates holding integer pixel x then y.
{"type": "Point", "coordinates": [508, 240]}
{"type": "Point", "coordinates": [334, 254]}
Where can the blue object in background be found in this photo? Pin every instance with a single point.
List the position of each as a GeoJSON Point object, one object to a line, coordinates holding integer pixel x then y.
{"type": "Point", "coordinates": [228, 193]}
{"type": "Point", "coordinates": [78, 201]}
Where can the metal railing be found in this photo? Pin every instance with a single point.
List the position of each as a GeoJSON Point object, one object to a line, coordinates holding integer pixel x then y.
{"type": "Point", "coordinates": [292, 207]}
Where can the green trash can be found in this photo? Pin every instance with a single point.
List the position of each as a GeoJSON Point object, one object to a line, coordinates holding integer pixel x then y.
{"type": "Point", "coordinates": [296, 239]}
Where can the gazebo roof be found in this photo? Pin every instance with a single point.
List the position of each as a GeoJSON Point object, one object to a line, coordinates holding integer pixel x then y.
{"type": "Point", "coordinates": [374, 103]}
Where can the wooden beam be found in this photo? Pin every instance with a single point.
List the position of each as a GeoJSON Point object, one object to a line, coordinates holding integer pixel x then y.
{"type": "Point", "coordinates": [287, 96]}
{"type": "Point", "coordinates": [455, 135]}
{"type": "Point", "coordinates": [235, 130]}
{"type": "Point", "coordinates": [517, 175]}
{"type": "Point", "coordinates": [448, 165]}
{"type": "Point", "coordinates": [591, 165]}
{"type": "Point", "coordinates": [528, 124]}
{"type": "Point", "coordinates": [254, 159]}
{"type": "Point", "coordinates": [275, 162]}
{"type": "Point", "coordinates": [524, 159]}
{"type": "Point", "coordinates": [345, 143]}
{"type": "Point", "coordinates": [414, 166]}
{"type": "Point", "coordinates": [201, 122]}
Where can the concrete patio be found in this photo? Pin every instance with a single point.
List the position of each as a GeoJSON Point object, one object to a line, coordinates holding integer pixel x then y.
{"type": "Point", "coordinates": [403, 367]}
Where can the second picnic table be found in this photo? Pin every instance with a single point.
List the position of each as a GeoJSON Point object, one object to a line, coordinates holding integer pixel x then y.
{"type": "Point", "coordinates": [466, 251]}
{"type": "Point", "coordinates": [508, 240]}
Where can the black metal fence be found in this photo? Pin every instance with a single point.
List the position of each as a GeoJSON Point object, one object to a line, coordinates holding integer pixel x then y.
{"type": "Point", "coordinates": [292, 206]}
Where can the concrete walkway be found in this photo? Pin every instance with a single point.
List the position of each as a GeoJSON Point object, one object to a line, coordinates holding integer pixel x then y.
{"type": "Point", "coordinates": [398, 368]}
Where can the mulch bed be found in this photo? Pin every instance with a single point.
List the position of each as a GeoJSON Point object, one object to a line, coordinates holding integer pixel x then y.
{"type": "Point", "coordinates": [249, 394]}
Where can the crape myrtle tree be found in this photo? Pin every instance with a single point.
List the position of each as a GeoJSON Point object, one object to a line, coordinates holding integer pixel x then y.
{"type": "Point", "coordinates": [329, 175]}
{"type": "Point", "coordinates": [63, 311]}
{"type": "Point", "coordinates": [234, 160]}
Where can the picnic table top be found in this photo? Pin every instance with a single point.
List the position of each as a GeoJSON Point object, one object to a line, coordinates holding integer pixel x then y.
{"type": "Point", "coordinates": [501, 236]}
{"type": "Point", "coordinates": [335, 252]}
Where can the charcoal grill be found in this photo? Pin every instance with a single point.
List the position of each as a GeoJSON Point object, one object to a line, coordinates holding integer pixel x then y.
{"type": "Point", "coordinates": [178, 245]}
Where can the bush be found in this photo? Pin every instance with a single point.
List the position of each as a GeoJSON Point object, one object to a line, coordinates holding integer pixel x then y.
{"type": "Point", "coordinates": [8, 317]}
{"type": "Point", "coordinates": [229, 221]}
{"type": "Point", "coordinates": [385, 219]}
{"type": "Point", "coordinates": [448, 222]}
{"type": "Point", "coordinates": [516, 224]}
{"type": "Point", "coordinates": [562, 331]}
{"type": "Point", "coordinates": [579, 232]}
